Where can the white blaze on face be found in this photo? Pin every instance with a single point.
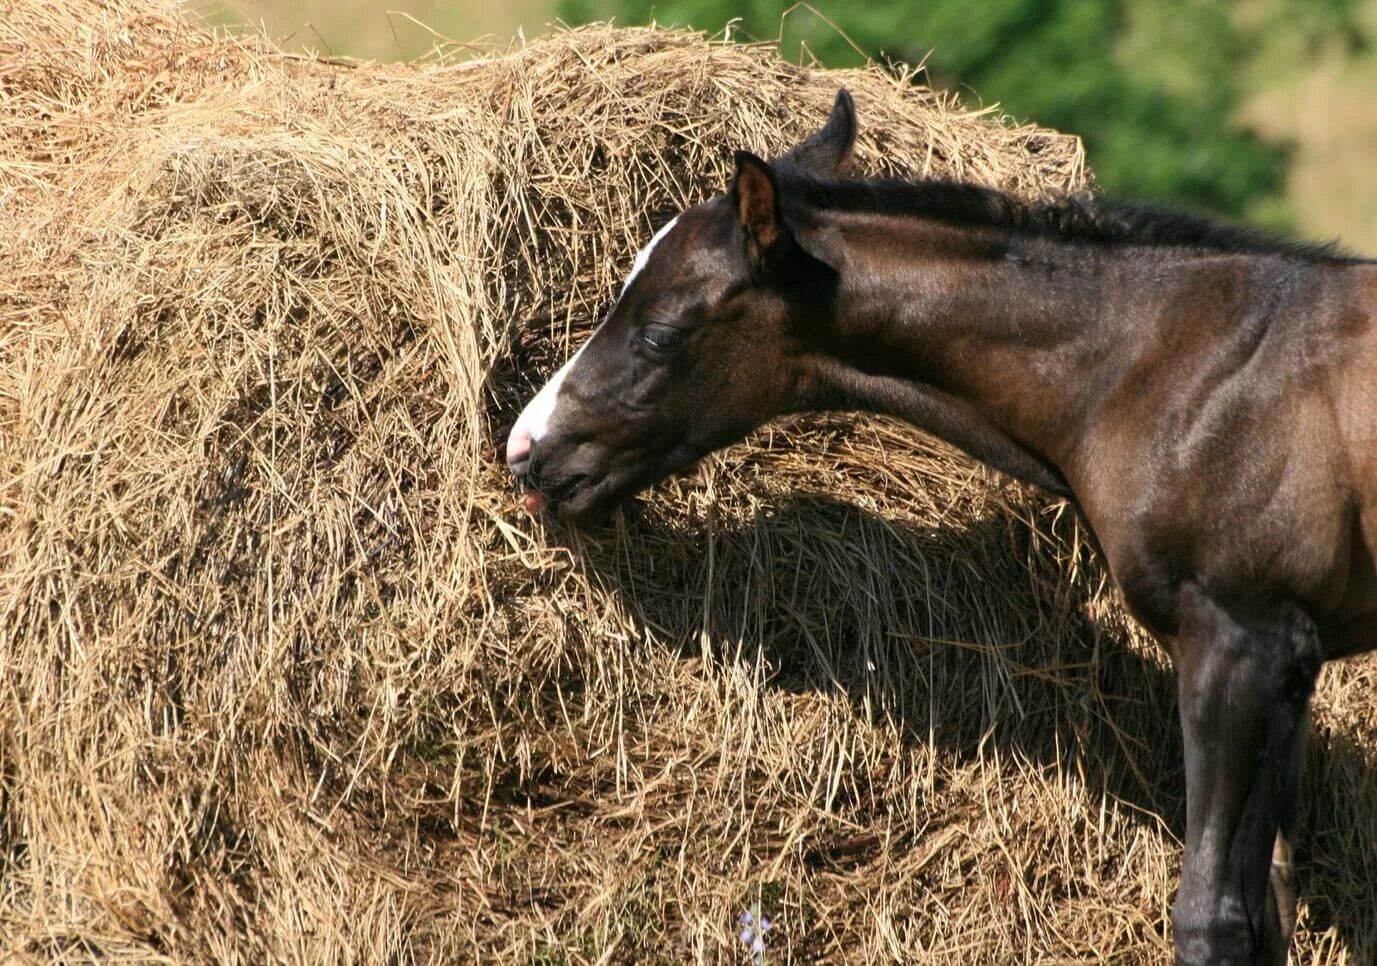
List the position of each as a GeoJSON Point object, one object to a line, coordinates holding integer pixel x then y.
{"type": "Point", "coordinates": [643, 255]}
{"type": "Point", "coordinates": [534, 421]}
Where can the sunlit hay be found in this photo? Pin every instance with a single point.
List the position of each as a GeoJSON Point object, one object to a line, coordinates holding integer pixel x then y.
{"type": "Point", "coordinates": [288, 676]}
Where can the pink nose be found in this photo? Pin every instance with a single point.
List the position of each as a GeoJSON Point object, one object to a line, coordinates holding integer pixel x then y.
{"type": "Point", "coordinates": [518, 450]}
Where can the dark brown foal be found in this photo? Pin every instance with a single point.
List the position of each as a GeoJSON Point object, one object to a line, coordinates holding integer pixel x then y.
{"type": "Point", "coordinates": [1206, 397]}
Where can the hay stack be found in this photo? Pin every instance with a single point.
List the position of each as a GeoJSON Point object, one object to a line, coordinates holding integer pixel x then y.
{"type": "Point", "coordinates": [286, 675]}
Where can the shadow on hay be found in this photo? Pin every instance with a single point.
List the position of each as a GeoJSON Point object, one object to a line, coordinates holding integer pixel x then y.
{"type": "Point", "coordinates": [984, 646]}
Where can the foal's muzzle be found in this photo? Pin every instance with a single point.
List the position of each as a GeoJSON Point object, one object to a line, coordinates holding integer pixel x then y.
{"type": "Point", "coordinates": [521, 460]}
{"type": "Point", "coordinates": [520, 453]}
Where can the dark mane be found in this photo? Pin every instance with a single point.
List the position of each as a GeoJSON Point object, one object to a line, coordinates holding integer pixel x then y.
{"type": "Point", "coordinates": [1072, 219]}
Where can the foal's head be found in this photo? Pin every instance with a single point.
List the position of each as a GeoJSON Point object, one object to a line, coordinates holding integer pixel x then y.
{"type": "Point", "coordinates": [706, 341]}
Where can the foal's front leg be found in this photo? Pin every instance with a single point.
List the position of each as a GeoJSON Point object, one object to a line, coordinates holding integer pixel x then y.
{"type": "Point", "coordinates": [1244, 682]}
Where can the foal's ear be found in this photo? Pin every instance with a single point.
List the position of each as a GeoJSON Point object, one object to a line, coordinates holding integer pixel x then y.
{"type": "Point", "coordinates": [755, 196]}
{"type": "Point", "coordinates": [828, 152]}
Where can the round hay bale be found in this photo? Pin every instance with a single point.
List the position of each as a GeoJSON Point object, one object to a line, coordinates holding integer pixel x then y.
{"type": "Point", "coordinates": [286, 673]}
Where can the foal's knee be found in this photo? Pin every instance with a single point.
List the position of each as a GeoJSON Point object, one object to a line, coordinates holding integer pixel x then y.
{"type": "Point", "coordinates": [1219, 929]}
{"type": "Point", "coordinates": [1219, 932]}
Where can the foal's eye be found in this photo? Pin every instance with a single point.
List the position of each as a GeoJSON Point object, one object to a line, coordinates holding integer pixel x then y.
{"type": "Point", "coordinates": [662, 338]}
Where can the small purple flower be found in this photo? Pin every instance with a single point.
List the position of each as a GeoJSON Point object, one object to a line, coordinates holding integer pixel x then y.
{"type": "Point", "coordinates": [755, 926]}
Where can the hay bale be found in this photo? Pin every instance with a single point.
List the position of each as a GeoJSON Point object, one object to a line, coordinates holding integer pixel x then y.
{"type": "Point", "coordinates": [288, 676]}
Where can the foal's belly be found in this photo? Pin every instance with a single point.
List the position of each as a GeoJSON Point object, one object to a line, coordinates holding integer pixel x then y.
{"type": "Point", "coordinates": [1350, 627]}
{"type": "Point", "coordinates": [1352, 636]}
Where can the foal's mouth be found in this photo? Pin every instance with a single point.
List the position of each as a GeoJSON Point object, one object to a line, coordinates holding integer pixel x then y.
{"type": "Point", "coordinates": [584, 499]}
{"type": "Point", "coordinates": [552, 495]}
{"type": "Point", "coordinates": [580, 498]}
{"type": "Point", "coordinates": [580, 508]}
{"type": "Point", "coordinates": [589, 497]}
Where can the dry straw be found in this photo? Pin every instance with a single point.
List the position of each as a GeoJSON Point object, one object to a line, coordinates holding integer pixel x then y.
{"type": "Point", "coordinates": [286, 675]}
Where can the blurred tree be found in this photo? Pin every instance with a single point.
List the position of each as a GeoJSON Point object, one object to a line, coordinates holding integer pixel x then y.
{"type": "Point", "coordinates": [1152, 86]}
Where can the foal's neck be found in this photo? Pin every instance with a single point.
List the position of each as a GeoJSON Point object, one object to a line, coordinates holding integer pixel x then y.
{"type": "Point", "coordinates": [998, 344]}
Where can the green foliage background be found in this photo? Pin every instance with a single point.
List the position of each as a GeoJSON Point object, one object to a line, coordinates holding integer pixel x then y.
{"type": "Point", "coordinates": [1154, 87]}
